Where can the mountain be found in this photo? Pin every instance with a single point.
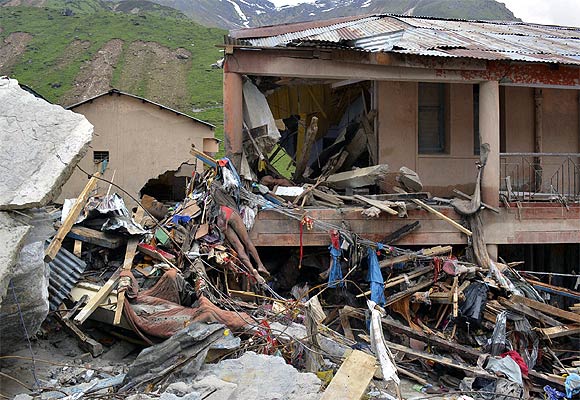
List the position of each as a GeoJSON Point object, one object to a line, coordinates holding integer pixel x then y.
{"type": "Point", "coordinates": [71, 50]}
{"type": "Point", "coordinates": [246, 13]}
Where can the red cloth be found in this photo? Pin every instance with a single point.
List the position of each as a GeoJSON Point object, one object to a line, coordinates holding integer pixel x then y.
{"type": "Point", "coordinates": [518, 359]}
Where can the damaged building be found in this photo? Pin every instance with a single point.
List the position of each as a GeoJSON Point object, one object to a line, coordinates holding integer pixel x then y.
{"type": "Point", "coordinates": [141, 141]}
{"type": "Point", "coordinates": [425, 93]}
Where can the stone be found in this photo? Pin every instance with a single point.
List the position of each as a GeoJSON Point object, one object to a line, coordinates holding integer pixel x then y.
{"type": "Point", "coordinates": [41, 145]}
{"type": "Point", "coordinates": [30, 280]}
{"type": "Point", "coordinates": [409, 179]}
{"type": "Point", "coordinates": [13, 234]}
{"type": "Point", "coordinates": [255, 377]}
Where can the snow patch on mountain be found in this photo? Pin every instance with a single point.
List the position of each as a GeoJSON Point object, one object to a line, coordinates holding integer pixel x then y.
{"type": "Point", "coordinates": [239, 11]}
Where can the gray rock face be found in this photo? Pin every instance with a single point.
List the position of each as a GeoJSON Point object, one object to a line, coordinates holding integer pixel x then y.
{"type": "Point", "coordinates": [12, 236]}
{"type": "Point", "coordinates": [30, 281]}
{"type": "Point", "coordinates": [40, 144]}
{"type": "Point", "coordinates": [255, 377]}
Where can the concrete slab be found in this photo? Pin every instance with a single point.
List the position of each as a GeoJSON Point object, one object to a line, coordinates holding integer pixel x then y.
{"type": "Point", "coordinates": [40, 144]}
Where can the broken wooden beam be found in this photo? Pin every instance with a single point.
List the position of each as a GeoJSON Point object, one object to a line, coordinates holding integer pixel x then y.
{"type": "Point", "coordinates": [303, 158]}
{"type": "Point", "coordinates": [448, 362]}
{"type": "Point", "coordinates": [85, 342]}
{"type": "Point", "coordinates": [546, 308]}
{"type": "Point", "coordinates": [401, 278]}
{"type": "Point", "coordinates": [529, 312]}
{"type": "Point", "coordinates": [560, 331]}
{"type": "Point", "coordinates": [381, 205]}
{"type": "Point", "coordinates": [402, 232]}
{"type": "Point", "coordinates": [92, 236]}
{"type": "Point", "coordinates": [430, 252]}
{"type": "Point", "coordinates": [70, 219]}
{"type": "Point", "coordinates": [352, 378]}
{"type": "Point", "coordinates": [98, 298]}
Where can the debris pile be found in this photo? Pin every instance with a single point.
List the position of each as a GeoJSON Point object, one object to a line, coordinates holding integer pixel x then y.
{"type": "Point", "coordinates": [185, 281]}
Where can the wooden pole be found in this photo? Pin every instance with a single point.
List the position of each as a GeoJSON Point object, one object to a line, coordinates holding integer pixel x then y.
{"type": "Point", "coordinates": [70, 219]}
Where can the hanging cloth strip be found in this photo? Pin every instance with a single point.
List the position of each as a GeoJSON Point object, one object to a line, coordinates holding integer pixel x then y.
{"type": "Point", "coordinates": [375, 277]}
{"type": "Point", "coordinates": [335, 276]}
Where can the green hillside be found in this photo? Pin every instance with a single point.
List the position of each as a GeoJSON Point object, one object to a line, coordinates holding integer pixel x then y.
{"type": "Point", "coordinates": [155, 55]}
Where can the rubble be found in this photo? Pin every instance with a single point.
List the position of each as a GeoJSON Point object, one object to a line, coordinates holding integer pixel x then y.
{"type": "Point", "coordinates": [184, 305]}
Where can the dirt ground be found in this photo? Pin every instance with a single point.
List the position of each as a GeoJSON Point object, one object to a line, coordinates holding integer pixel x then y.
{"type": "Point", "coordinates": [59, 360]}
{"type": "Point", "coordinates": [11, 49]}
{"type": "Point", "coordinates": [96, 75]}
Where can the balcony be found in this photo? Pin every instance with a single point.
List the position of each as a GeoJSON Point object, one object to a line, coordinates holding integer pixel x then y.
{"type": "Point", "coordinates": [550, 177]}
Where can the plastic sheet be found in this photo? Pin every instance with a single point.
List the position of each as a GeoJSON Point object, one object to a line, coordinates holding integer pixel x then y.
{"type": "Point", "coordinates": [498, 338]}
{"type": "Point", "coordinates": [335, 276]}
{"type": "Point", "coordinates": [375, 277]}
{"type": "Point", "coordinates": [572, 385]}
{"type": "Point", "coordinates": [471, 309]}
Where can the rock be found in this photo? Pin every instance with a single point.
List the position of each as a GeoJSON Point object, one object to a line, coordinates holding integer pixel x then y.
{"type": "Point", "coordinates": [23, 397]}
{"type": "Point", "coordinates": [255, 377]}
{"type": "Point", "coordinates": [12, 236]}
{"type": "Point", "coordinates": [410, 180]}
{"type": "Point", "coordinates": [30, 280]}
{"type": "Point", "coordinates": [41, 145]}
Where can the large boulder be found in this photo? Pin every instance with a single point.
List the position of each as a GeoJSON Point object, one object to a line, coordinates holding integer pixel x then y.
{"type": "Point", "coordinates": [40, 143]}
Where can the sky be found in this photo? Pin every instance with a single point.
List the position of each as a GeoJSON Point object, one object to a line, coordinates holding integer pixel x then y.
{"type": "Point", "coordinates": [551, 12]}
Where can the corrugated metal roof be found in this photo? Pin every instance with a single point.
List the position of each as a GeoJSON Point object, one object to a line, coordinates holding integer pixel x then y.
{"type": "Point", "coordinates": [65, 271]}
{"type": "Point", "coordinates": [489, 40]}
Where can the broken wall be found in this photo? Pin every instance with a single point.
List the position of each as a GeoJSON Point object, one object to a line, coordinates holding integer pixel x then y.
{"type": "Point", "coordinates": [143, 141]}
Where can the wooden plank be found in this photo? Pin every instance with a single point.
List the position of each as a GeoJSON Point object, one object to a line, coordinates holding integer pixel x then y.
{"type": "Point", "coordinates": [546, 308]}
{"type": "Point", "coordinates": [560, 331]}
{"type": "Point", "coordinates": [401, 295]}
{"type": "Point", "coordinates": [381, 205]}
{"type": "Point", "coordinates": [127, 265]}
{"type": "Point", "coordinates": [449, 362]}
{"type": "Point", "coordinates": [394, 326]}
{"type": "Point", "coordinates": [304, 155]}
{"type": "Point", "coordinates": [85, 342]}
{"type": "Point", "coordinates": [98, 298]}
{"type": "Point", "coordinates": [345, 323]}
{"type": "Point", "coordinates": [70, 219]}
{"type": "Point", "coordinates": [78, 249]}
{"type": "Point", "coordinates": [352, 378]}
{"type": "Point", "coordinates": [443, 217]}
{"type": "Point", "coordinates": [554, 289]}
{"type": "Point", "coordinates": [92, 236]}
{"type": "Point", "coordinates": [430, 252]}
{"type": "Point", "coordinates": [530, 312]}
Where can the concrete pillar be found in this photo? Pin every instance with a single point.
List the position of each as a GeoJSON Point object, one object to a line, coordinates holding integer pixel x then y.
{"type": "Point", "coordinates": [233, 116]}
{"type": "Point", "coordinates": [489, 133]}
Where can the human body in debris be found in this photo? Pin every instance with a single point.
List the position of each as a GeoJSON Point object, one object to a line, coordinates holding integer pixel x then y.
{"type": "Point", "coordinates": [230, 223]}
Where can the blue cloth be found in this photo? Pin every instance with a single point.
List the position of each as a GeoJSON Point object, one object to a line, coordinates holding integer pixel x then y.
{"type": "Point", "coordinates": [335, 276]}
{"type": "Point", "coordinates": [375, 277]}
{"type": "Point", "coordinates": [180, 219]}
{"type": "Point", "coordinates": [572, 385]}
{"type": "Point", "coordinates": [553, 394]}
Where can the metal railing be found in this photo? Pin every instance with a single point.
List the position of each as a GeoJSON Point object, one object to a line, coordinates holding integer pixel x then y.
{"type": "Point", "coordinates": [540, 176]}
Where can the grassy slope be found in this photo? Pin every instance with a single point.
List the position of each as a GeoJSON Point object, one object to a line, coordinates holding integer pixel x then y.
{"type": "Point", "coordinates": [47, 66]}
